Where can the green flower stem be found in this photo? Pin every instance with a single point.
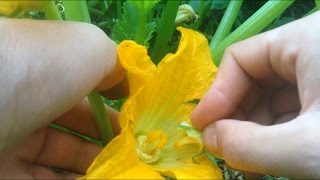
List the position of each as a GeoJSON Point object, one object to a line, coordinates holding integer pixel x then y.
{"type": "Point", "coordinates": [95, 141]}
{"type": "Point", "coordinates": [52, 12]}
{"type": "Point", "coordinates": [78, 11]}
{"type": "Point", "coordinates": [255, 24]}
{"type": "Point", "coordinates": [165, 30]}
{"type": "Point", "coordinates": [226, 23]}
{"type": "Point", "coordinates": [101, 117]}
{"type": "Point", "coordinates": [317, 4]}
{"type": "Point", "coordinates": [141, 27]}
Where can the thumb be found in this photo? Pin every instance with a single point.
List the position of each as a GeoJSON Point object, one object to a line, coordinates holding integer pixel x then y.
{"type": "Point", "coordinates": [282, 150]}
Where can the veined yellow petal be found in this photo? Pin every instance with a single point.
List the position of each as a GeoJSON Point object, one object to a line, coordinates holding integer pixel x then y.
{"type": "Point", "coordinates": [119, 160]}
{"type": "Point", "coordinates": [150, 118]}
{"type": "Point", "coordinates": [186, 162]}
{"type": "Point", "coordinates": [134, 58]}
{"type": "Point", "coordinates": [159, 101]}
{"type": "Point", "coordinates": [167, 89]}
{"type": "Point", "coordinates": [204, 170]}
{"type": "Point", "coordinates": [139, 171]}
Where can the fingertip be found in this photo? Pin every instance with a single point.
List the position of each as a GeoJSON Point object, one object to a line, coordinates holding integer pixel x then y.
{"type": "Point", "coordinates": [228, 90]}
{"type": "Point", "coordinates": [210, 139]}
{"type": "Point", "coordinates": [116, 76]}
{"type": "Point", "coordinates": [113, 72]}
{"type": "Point", "coordinates": [213, 106]}
{"type": "Point", "coordinates": [240, 144]}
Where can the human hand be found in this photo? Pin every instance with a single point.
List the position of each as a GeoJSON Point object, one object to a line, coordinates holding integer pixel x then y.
{"type": "Point", "coordinates": [35, 156]}
{"type": "Point", "coordinates": [47, 68]}
{"type": "Point", "coordinates": [264, 106]}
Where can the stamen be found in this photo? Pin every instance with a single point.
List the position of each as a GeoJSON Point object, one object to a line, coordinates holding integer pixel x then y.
{"type": "Point", "coordinates": [149, 146]}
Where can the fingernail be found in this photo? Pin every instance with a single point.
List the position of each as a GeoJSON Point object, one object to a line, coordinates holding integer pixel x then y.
{"type": "Point", "coordinates": [195, 119]}
{"type": "Point", "coordinates": [210, 139]}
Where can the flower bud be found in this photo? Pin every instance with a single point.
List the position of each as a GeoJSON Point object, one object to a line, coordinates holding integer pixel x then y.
{"type": "Point", "coordinates": [186, 15]}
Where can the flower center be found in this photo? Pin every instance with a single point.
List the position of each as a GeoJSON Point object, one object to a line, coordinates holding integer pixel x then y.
{"type": "Point", "coordinates": [149, 146]}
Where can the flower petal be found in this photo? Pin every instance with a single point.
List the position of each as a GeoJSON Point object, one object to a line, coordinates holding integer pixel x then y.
{"type": "Point", "coordinates": [166, 90]}
{"type": "Point", "coordinates": [119, 160]}
{"type": "Point", "coordinates": [161, 99]}
{"type": "Point", "coordinates": [187, 162]}
{"type": "Point", "coordinates": [134, 58]}
{"type": "Point", "coordinates": [204, 170]}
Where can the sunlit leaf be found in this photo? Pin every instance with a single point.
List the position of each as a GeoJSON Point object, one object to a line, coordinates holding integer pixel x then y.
{"type": "Point", "coordinates": [144, 5]}
{"type": "Point", "coordinates": [126, 28]}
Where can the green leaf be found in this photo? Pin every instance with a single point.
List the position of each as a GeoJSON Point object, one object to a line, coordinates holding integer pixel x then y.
{"type": "Point", "coordinates": [145, 6]}
{"type": "Point", "coordinates": [115, 104]}
{"type": "Point", "coordinates": [126, 28]}
{"type": "Point", "coordinates": [150, 29]}
{"type": "Point", "coordinates": [202, 8]}
{"type": "Point", "coordinates": [196, 5]}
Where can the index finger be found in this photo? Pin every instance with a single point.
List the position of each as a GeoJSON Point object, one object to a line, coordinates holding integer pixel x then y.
{"type": "Point", "coordinates": [270, 56]}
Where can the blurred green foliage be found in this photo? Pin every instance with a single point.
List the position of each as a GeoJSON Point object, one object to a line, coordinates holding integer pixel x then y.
{"type": "Point", "coordinates": [104, 13]}
{"type": "Point", "coordinates": [118, 18]}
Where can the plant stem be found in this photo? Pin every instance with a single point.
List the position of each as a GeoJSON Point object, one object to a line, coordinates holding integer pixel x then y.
{"type": "Point", "coordinates": [317, 4]}
{"type": "Point", "coordinates": [95, 141]}
{"type": "Point", "coordinates": [78, 11]}
{"type": "Point", "coordinates": [141, 27]}
{"type": "Point", "coordinates": [52, 12]}
{"type": "Point", "coordinates": [255, 24]}
{"type": "Point", "coordinates": [165, 31]}
{"type": "Point", "coordinates": [101, 117]}
{"type": "Point", "coordinates": [226, 23]}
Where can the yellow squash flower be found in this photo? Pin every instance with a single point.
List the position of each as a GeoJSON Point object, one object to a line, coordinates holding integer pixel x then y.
{"type": "Point", "coordinates": [12, 7]}
{"type": "Point", "coordinates": [157, 139]}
